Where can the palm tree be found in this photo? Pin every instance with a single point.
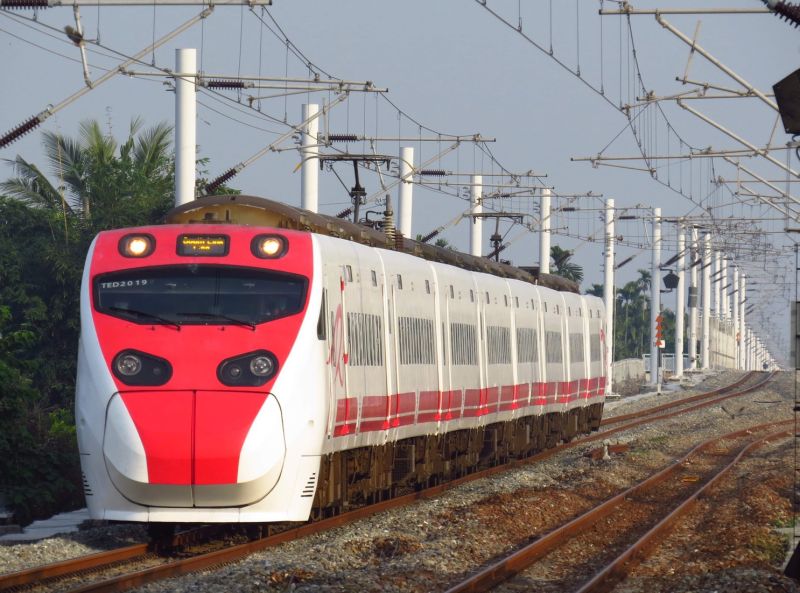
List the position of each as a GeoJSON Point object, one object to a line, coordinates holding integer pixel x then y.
{"type": "Point", "coordinates": [100, 184]}
{"type": "Point", "coordinates": [596, 290]}
{"type": "Point", "coordinates": [563, 266]}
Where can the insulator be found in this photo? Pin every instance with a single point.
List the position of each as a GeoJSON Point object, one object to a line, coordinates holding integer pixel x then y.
{"type": "Point", "coordinates": [24, 4]}
{"type": "Point", "coordinates": [342, 138]}
{"type": "Point", "coordinates": [789, 12]}
{"type": "Point", "coordinates": [212, 186]}
{"type": "Point", "coordinates": [224, 84]}
{"type": "Point", "coordinates": [20, 131]}
{"type": "Point", "coordinates": [433, 172]}
{"type": "Point", "coordinates": [345, 213]}
{"type": "Point", "coordinates": [429, 236]}
{"type": "Point", "coordinates": [399, 242]}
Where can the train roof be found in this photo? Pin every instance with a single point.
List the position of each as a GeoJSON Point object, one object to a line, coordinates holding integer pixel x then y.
{"type": "Point", "coordinates": [252, 210]}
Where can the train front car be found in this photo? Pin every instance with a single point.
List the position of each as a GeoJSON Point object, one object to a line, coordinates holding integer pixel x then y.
{"type": "Point", "coordinates": [196, 398]}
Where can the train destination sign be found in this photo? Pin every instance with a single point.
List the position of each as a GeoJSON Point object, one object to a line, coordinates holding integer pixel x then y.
{"type": "Point", "coordinates": [208, 245]}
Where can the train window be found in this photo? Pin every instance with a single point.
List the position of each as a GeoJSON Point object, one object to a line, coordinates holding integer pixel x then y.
{"type": "Point", "coordinates": [364, 337]}
{"type": "Point", "coordinates": [348, 273]}
{"type": "Point", "coordinates": [193, 294]}
{"type": "Point", "coordinates": [594, 347]}
{"type": "Point", "coordinates": [427, 287]}
{"type": "Point", "coordinates": [374, 278]}
{"type": "Point", "coordinates": [533, 304]}
{"type": "Point", "coordinates": [527, 345]}
{"type": "Point", "coordinates": [505, 299]}
{"type": "Point", "coordinates": [545, 307]}
{"type": "Point", "coordinates": [576, 348]}
{"type": "Point", "coordinates": [321, 328]}
{"type": "Point", "coordinates": [558, 310]}
{"type": "Point", "coordinates": [487, 298]}
{"type": "Point", "coordinates": [498, 344]}
{"type": "Point", "coordinates": [399, 282]}
{"type": "Point", "coordinates": [516, 302]}
{"type": "Point", "coordinates": [471, 296]}
{"type": "Point", "coordinates": [569, 311]}
{"type": "Point", "coordinates": [552, 347]}
{"type": "Point", "coordinates": [416, 340]}
{"type": "Point", "coordinates": [452, 292]}
{"type": "Point", "coordinates": [463, 344]}
{"type": "Point", "coordinates": [590, 313]}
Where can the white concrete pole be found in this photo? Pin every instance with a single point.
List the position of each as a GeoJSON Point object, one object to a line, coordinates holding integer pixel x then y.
{"type": "Point", "coordinates": [655, 296]}
{"type": "Point", "coordinates": [608, 292]}
{"type": "Point", "coordinates": [734, 292]}
{"type": "Point", "coordinates": [717, 280]}
{"type": "Point", "coordinates": [406, 188]}
{"type": "Point", "coordinates": [476, 230]}
{"type": "Point", "coordinates": [727, 312]}
{"type": "Point", "coordinates": [740, 298]}
{"type": "Point", "coordinates": [544, 233]}
{"type": "Point", "coordinates": [693, 311]}
{"type": "Point", "coordinates": [309, 151]}
{"type": "Point", "coordinates": [185, 125]}
{"type": "Point", "coordinates": [705, 349]}
{"type": "Point", "coordinates": [680, 299]}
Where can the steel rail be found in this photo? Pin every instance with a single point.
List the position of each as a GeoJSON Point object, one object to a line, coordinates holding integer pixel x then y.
{"type": "Point", "coordinates": [686, 400]}
{"type": "Point", "coordinates": [73, 565]}
{"type": "Point", "coordinates": [185, 566]}
{"type": "Point", "coordinates": [521, 559]}
{"type": "Point", "coordinates": [621, 566]}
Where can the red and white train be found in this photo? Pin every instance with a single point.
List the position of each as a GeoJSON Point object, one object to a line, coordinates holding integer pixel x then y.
{"type": "Point", "coordinates": [235, 372]}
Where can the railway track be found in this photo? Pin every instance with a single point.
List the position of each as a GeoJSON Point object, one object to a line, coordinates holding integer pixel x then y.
{"type": "Point", "coordinates": [99, 566]}
{"type": "Point", "coordinates": [632, 521]}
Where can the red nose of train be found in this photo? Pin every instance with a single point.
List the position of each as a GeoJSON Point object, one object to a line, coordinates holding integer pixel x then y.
{"type": "Point", "coordinates": [194, 328]}
{"type": "Point", "coordinates": [194, 448]}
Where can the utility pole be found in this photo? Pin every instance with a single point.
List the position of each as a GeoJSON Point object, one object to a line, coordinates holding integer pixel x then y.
{"type": "Point", "coordinates": [718, 280]}
{"type": "Point", "coordinates": [406, 188]}
{"type": "Point", "coordinates": [544, 233]}
{"type": "Point", "coordinates": [655, 299]}
{"type": "Point", "coordinates": [727, 311]}
{"type": "Point", "coordinates": [309, 153]}
{"type": "Point", "coordinates": [185, 125]}
{"type": "Point", "coordinates": [735, 314]}
{"type": "Point", "coordinates": [693, 310]}
{"type": "Point", "coordinates": [608, 293]}
{"type": "Point", "coordinates": [707, 256]}
{"type": "Point", "coordinates": [476, 230]}
{"type": "Point", "coordinates": [680, 300]}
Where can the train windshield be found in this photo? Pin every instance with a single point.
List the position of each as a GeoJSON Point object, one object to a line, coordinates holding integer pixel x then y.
{"type": "Point", "coordinates": [199, 295]}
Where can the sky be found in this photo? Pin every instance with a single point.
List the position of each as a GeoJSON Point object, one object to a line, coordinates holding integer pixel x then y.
{"type": "Point", "coordinates": [455, 68]}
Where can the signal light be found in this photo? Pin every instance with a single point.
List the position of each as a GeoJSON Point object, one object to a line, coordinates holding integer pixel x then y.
{"type": "Point", "coordinates": [659, 331]}
{"type": "Point", "coordinates": [268, 246]}
{"type": "Point", "coordinates": [137, 245]}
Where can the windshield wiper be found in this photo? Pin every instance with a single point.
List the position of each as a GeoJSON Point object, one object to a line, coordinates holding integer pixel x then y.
{"type": "Point", "coordinates": [146, 315]}
{"type": "Point", "coordinates": [233, 320]}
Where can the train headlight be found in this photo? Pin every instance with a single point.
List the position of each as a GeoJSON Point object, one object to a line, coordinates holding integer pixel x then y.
{"type": "Point", "coordinates": [138, 245]}
{"type": "Point", "coordinates": [261, 366]}
{"type": "Point", "coordinates": [128, 365]}
{"type": "Point", "coordinates": [268, 246]}
{"type": "Point", "coordinates": [248, 370]}
{"type": "Point", "coordinates": [133, 367]}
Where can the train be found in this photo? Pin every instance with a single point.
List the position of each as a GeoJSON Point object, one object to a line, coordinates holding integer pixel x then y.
{"type": "Point", "coordinates": [251, 362]}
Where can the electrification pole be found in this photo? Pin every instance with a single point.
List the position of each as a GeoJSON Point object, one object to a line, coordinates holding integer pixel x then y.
{"type": "Point", "coordinates": [544, 233]}
{"type": "Point", "coordinates": [707, 256]}
{"type": "Point", "coordinates": [655, 298]}
{"type": "Point", "coordinates": [476, 230]}
{"type": "Point", "coordinates": [608, 293]}
{"type": "Point", "coordinates": [309, 153]}
{"type": "Point", "coordinates": [185, 125]}
{"type": "Point", "coordinates": [693, 310]}
{"type": "Point", "coordinates": [680, 300]}
{"type": "Point", "coordinates": [406, 188]}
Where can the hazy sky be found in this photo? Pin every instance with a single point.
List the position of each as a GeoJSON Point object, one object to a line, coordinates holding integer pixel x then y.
{"type": "Point", "coordinates": [454, 67]}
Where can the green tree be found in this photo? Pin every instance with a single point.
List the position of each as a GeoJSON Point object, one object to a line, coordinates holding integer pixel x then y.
{"type": "Point", "coordinates": [596, 290]}
{"type": "Point", "coordinates": [563, 266]}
